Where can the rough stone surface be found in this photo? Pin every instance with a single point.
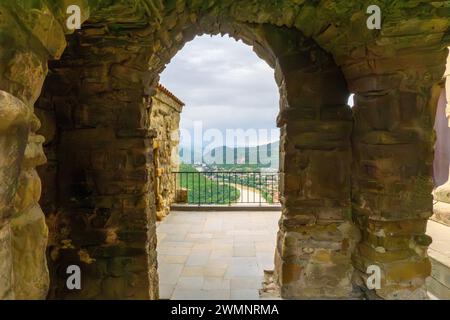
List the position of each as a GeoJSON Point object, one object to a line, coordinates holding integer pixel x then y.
{"type": "Point", "coordinates": [441, 212]}
{"type": "Point", "coordinates": [165, 121]}
{"type": "Point", "coordinates": [14, 115]}
{"type": "Point", "coordinates": [356, 185]}
{"type": "Point", "coordinates": [392, 199]}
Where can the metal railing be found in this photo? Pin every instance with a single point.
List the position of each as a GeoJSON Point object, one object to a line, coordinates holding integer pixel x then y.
{"type": "Point", "coordinates": [222, 187]}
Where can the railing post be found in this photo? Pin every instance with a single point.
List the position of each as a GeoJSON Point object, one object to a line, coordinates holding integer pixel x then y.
{"type": "Point", "coordinates": [229, 190]}
{"type": "Point", "coordinates": [260, 189]}
{"type": "Point", "coordinates": [198, 184]}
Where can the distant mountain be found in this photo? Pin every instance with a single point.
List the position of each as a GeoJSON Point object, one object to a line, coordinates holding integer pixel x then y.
{"type": "Point", "coordinates": [189, 155]}
{"type": "Point", "coordinates": [266, 155]}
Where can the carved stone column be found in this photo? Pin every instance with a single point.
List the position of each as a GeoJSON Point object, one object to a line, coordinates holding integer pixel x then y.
{"type": "Point", "coordinates": [31, 33]}
{"type": "Point", "coordinates": [21, 151]}
{"type": "Point", "coordinates": [29, 231]}
{"type": "Point", "coordinates": [22, 72]}
{"type": "Point", "coordinates": [14, 115]}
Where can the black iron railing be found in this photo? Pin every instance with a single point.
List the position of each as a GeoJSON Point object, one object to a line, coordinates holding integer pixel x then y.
{"type": "Point", "coordinates": [222, 187]}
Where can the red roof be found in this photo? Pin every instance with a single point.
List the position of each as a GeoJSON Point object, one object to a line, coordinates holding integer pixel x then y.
{"type": "Point", "coordinates": [170, 94]}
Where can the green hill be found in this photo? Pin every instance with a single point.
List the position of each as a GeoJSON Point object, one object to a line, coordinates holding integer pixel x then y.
{"type": "Point", "coordinates": [206, 189]}
{"type": "Point", "coordinates": [263, 156]}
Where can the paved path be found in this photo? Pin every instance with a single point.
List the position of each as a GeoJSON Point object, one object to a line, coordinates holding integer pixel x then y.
{"type": "Point", "coordinates": [249, 196]}
{"type": "Point", "coordinates": [439, 251]}
{"type": "Point", "coordinates": [222, 255]}
{"type": "Point", "coordinates": [215, 255]}
{"type": "Point", "coordinates": [441, 241]}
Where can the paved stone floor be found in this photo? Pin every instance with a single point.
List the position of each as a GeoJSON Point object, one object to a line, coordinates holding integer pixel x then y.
{"type": "Point", "coordinates": [441, 240]}
{"type": "Point", "coordinates": [439, 252]}
{"type": "Point", "coordinates": [215, 255]}
{"type": "Point", "coordinates": [222, 255]}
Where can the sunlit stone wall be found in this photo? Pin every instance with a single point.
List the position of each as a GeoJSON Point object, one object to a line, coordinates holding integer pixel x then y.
{"type": "Point", "coordinates": [165, 120]}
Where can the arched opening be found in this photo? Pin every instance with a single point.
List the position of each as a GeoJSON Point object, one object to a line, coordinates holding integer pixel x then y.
{"type": "Point", "coordinates": [105, 217]}
{"type": "Point", "coordinates": [343, 174]}
{"type": "Point", "coordinates": [218, 244]}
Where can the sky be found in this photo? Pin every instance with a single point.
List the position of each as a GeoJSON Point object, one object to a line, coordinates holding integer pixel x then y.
{"type": "Point", "coordinates": [225, 85]}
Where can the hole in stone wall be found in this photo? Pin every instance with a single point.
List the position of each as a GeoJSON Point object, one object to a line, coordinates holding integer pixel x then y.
{"type": "Point", "coordinates": [228, 158]}
{"type": "Point", "coordinates": [351, 100]}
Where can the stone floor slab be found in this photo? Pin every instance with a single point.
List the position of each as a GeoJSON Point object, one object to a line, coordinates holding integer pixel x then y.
{"type": "Point", "coordinates": [215, 255]}
{"type": "Point", "coordinates": [247, 294]}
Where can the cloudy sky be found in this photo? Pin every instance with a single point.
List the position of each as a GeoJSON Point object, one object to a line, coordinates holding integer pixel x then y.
{"type": "Point", "coordinates": [224, 85]}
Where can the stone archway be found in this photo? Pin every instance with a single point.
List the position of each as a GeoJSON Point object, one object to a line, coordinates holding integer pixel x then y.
{"type": "Point", "coordinates": [105, 213]}
{"type": "Point", "coordinates": [97, 172]}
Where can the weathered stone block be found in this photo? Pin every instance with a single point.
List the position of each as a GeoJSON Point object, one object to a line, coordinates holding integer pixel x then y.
{"type": "Point", "coordinates": [404, 271]}
{"type": "Point", "coordinates": [290, 272]}
{"type": "Point", "coordinates": [182, 196]}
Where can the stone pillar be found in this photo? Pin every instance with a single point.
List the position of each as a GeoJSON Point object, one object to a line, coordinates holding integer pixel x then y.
{"type": "Point", "coordinates": [165, 120]}
{"type": "Point", "coordinates": [14, 115]}
{"type": "Point", "coordinates": [105, 221]}
{"type": "Point", "coordinates": [23, 235]}
{"type": "Point", "coordinates": [29, 240]}
{"type": "Point", "coordinates": [317, 236]}
{"type": "Point", "coordinates": [392, 168]}
{"type": "Point", "coordinates": [32, 33]}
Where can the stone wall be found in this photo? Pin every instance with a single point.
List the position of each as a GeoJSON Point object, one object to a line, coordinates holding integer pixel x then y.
{"type": "Point", "coordinates": [165, 120]}
{"type": "Point", "coordinates": [25, 48]}
{"type": "Point", "coordinates": [104, 218]}
{"type": "Point", "coordinates": [355, 184]}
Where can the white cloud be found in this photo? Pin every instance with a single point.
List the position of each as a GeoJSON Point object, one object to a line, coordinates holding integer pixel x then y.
{"type": "Point", "coordinates": [224, 85]}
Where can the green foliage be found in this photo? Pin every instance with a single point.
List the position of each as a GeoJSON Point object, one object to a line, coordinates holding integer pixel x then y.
{"type": "Point", "coordinates": [267, 196]}
{"type": "Point", "coordinates": [240, 167]}
{"type": "Point", "coordinates": [220, 188]}
{"type": "Point", "coordinates": [205, 189]}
